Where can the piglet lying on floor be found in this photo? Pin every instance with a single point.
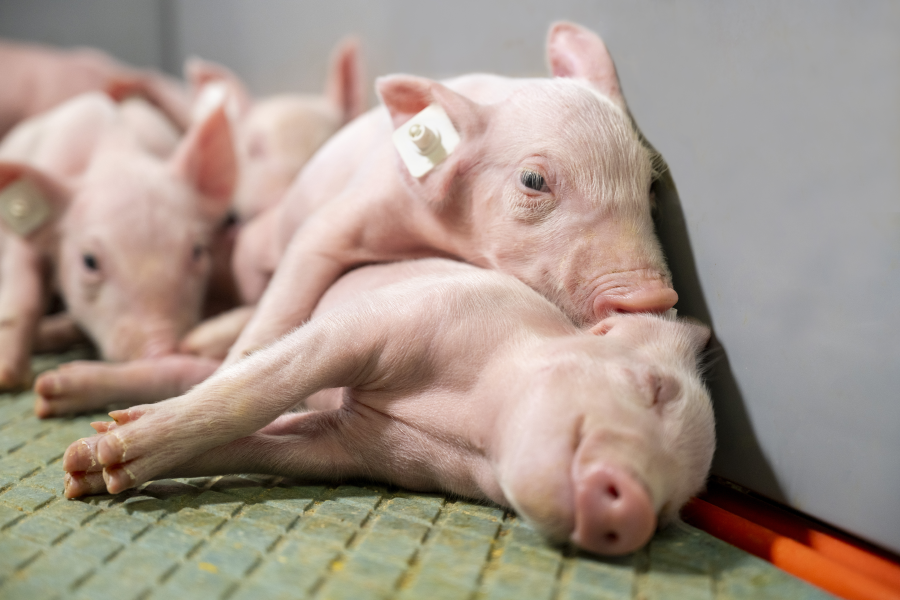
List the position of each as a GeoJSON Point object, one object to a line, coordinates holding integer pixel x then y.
{"type": "Point", "coordinates": [544, 179]}
{"type": "Point", "coordinates": [455, 379]}
{"type": "Point", "coordinates": [103, 203]}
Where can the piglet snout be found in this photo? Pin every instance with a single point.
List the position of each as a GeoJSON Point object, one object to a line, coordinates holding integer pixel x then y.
{"type": "Point", "coordinates": [649, 298]}
{"type": "Point", "coordinates": [613, 512]}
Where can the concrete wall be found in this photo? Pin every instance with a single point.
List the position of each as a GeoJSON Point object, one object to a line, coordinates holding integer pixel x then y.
{"type": "Point", "coordinates": [781, 125]}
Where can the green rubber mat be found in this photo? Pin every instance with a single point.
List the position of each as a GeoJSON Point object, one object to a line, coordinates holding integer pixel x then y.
{"type": "Point", "coordinates": [266, 537]}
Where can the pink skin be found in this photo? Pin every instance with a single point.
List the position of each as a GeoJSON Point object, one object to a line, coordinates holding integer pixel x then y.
{"type": "Point", "coordinates": [56, 333]}
{"type": "Point", "coordinates": [590, 437]}
{"type": "Point", "coordinates": [133, 214]}
{"type": "Point", "coordinates": [277, 135]}
{"type": "Point", "coordinates": [584, 240]}
{"type": "Point", "coordinates": [275, 138]}
{"type": "Point", "coordinates": [38, 78]}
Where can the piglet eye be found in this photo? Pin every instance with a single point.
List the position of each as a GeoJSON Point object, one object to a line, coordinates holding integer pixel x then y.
{"type": "Point", "coordinates": [90, 262]}
{"type": "Point", "coordinates": [534, 181]}
{"type": "Point", "coordinates": [197, 252]}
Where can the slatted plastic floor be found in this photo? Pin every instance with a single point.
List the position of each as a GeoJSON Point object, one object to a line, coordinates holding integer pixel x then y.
{"type": "Point", "coordinates": [264, 537]}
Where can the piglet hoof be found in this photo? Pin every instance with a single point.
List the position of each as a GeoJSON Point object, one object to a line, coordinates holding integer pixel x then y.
{"type": "Point", "coordinates": [141, 443]}
{"type": "Point", "coordinates": [84, 484]}
{"type": "Point", "coordinates": [75, 387]}
{"type": "Point", "coordinates": [85, 464]}
{"type": "Point", "coordinates": [58, 394]}
{"type": "Point", "coordinates": [81, 456]}
{"type": "Point", "coordinates": [83, 470]}
{"type": "Point", "coordinates": [14, 378]}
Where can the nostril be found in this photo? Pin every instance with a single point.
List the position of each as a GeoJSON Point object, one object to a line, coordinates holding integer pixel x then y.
{"type": "Point", "coordinates": [613, 511]}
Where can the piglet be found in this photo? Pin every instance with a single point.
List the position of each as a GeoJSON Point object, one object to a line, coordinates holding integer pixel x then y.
{"type": "Point", "coordinates": [277, 135]}
{"type": "Point", "coordinates": [37, 78]}
{"type": "Point", "coordinates": [456, 379]}
{"type": "Point", "coordinates": [544, 179]}
{"type": "Point", "coordinates": [274, 137]}
{"type": "Point", "coordinates": [106, 205]}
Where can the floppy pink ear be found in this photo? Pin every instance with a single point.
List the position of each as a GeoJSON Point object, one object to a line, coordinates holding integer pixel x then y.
{"type": "Point", "coordinates": [576, 52]}
{"type": "Point", "coordinates": [344, 87]}
{"type": "Point", "coordinates": [31, 201]}
{"type": "Point", "coordinates": [206, 159]}
{"type": "Point", "coordinates": [406, 96]}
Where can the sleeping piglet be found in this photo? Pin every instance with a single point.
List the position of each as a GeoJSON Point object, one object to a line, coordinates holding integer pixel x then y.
{"type": "Point", "coordinates": [104, 204]}
{"type": "Point", "coordinates": [455, 379]}
{"type": "Point", "coordinates": [544, 179]}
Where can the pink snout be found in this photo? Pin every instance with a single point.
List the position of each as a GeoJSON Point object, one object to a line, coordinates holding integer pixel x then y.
{"type": "Point", "coordinates": [613, 512]}
{"type": "Point", "coordinates": [652, 299]}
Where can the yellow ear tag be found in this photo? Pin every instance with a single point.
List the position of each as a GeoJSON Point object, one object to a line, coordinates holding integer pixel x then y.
{"type": "Point", "coordinates": [23, 207]}
{"type": "Point", "coordinates": [426, 140]}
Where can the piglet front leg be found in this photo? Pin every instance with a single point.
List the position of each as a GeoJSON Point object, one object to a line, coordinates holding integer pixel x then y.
{"type": "Point", "coordinates": [150, 439]}
{"type": "Point", "coordinates": [84, 386]}
{"type": "Point", "coordinates": [305, 445]}
{"type": "Point", "coordinates": [316, 256]}
{"type": "Point", "coordinates": [21, 305]}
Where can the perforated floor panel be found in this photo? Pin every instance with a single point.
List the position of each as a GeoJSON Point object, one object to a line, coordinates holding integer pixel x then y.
{"type": "Point", "coordinates": [265, 537]}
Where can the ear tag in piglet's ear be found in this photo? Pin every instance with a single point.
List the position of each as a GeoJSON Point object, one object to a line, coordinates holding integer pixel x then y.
{"type": "Point", "coordinates": [23, 206]}
{"type": "Point", "coordinates": [426, 140]}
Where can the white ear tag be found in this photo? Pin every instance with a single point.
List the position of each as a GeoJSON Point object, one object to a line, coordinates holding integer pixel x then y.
{"type": "Point", "coordinates": [426, 140]}
{"type": "Point", "coordinates": [23, 207]}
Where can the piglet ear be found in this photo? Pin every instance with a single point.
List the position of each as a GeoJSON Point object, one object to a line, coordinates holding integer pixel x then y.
{"type": "Point", "coordinates": [406, 96]}
{"type": "Point", "coordinates": [212, 84]}
{"type": "Point", "coordinates": [31, 201]}
{"type": "Point", "coordinates": [698, 334]}
{"type": "Point", "coordinates": [344, 87]}
{"type": "Point", "coordinates": [576, 52]}
{"type": "Point", "coordinates": [206, 159]}
{"type": "Point", "coordinates": [166, 94]}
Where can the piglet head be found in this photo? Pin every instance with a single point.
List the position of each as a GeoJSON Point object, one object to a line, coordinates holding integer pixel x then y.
{"type": "Point", "coordinates": [635, 434]}
{"type": "Point", "coordinates": [551, 183]}
{"type": "Point", "coordinates": [134, 244]}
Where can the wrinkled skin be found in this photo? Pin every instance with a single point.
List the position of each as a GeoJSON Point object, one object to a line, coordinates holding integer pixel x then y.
{"type": "Point", "coordinates": [478, 386]}
{"type": "Point", "coordinates": [133, 213]}
{"type": "Point", "coordinates": [584, 238]}
{"type": "Point", "coordinates": [38, 78]}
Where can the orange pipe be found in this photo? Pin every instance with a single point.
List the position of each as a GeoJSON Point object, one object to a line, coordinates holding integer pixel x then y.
{"type": "Point", "coordinates": [796, 528]}
{"type": "Point", "coordinates": [785, 553]}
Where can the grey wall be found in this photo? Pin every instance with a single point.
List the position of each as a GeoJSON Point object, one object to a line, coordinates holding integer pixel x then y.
{"type": "Point", "coordinates": [781, 125]}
